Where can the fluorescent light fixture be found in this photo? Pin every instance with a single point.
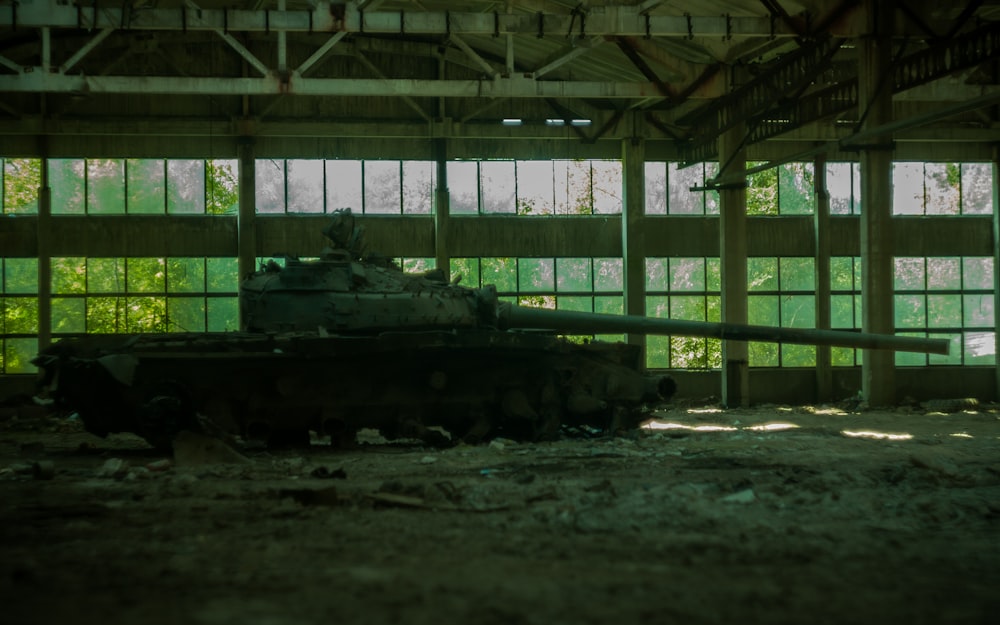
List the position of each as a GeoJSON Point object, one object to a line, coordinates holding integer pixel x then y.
{"type": "Point", "coordinates": [555, 122]}
{"type": "Point", "coordinates": [512, 121]}
{"type": "Point", "coordinates": [580, 122]}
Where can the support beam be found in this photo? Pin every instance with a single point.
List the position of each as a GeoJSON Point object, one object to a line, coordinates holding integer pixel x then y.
{"type": "Point", "coordinates": [44, 255]}
{"type": "Point", "coordinates": [85, 50]}
{"type": "Point", "coordinates": [633, 238]}
{"type": "Point", "coordinates": [472, 54]}
{"type": "Point", "coordinates": [246, 227]}
{"type": "Point", "coordinates": [877, 263]}
{"type": "Point", "coordinates": [996, 274]}
{"type": "Point", "coordinates": [821, 229]}
{"type": "Point", "coordinates": [442, 209]}
{"type": "Point", "coordinates": [733, 261]}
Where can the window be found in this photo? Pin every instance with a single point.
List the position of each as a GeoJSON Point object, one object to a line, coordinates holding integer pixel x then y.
{"type": "Point", "coordinates": [21, 179]}
{"type": "Point", "coordinates": [781, 293]}
{"type": "Point", "coordinates": [668, 189]}
{"type": "Point", "coordinates": [683, 289]}
{"type": "Point", "coordinates": [942, 189]}
{"type": "Point", "coordinates": [18, 314]}
{"type": "Point", "coordinates": [946, 297]}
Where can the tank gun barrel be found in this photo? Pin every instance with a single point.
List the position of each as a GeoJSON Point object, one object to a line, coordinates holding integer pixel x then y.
{"type": "Point", "coordinates": [596, 323]}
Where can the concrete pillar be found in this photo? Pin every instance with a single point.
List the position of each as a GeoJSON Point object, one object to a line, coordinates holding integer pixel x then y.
{"type": "Point", "coordinates": [442, 209]}
{"type": "Point", "coordinates": [733, 260]}
{"type": "Point", "coordinates": [821, 230]}
{"type": "Point", "coordinates": [633, 238]}
{"type": "Point", "coordinates": [996, 267]}
{"type": "Point", "coordinates": [875, 96]}
{"type": "Point", "coordinates": [247, 218]}
{"type": "Point", "coordinates": [44, 257]}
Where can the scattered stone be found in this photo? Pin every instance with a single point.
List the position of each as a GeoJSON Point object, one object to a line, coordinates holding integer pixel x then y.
{"type": "Point", "coordinates": [428, 460]}
{"type": "Point", "coordinates": [160, 465]}
{"type": "Point", "coordinates": [193, 450]}
{"type": "Point", "coordinates": [114, 468]}
{"type": "Point", "coordinates": [325, 473]}
{"type": "Point", "coordinates": [741, 497]}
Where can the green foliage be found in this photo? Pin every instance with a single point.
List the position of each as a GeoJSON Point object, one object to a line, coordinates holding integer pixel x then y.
{"type": "Point", "coordinates": [22, 178]}
{"type": "Point", "coordinates": [221, 188]}
{"type": "Point", "coordinates": [105, 186]}
{"type": "Point", "coordinates": [762, 192]}
{"type": "Point", "coordinates": [66, 181]}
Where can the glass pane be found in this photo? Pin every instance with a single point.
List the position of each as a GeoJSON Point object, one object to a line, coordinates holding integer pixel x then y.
{"type": "Point", "coordinates": [977, 311]}
{"type": "Point", "coordinates": [977, 189]}
{"type": "Point", "coordinates": [22, 178]}
{"type": "Point", "coordinates": [762, 191]}
{"type": "Point", "coordinates": [980, 348]}
{"type": "Point", "coordinates": [839, 186]}
{"type": "Point", "coordinates": [798, 311]}
{"type": "Point", "coordinates": [842, 312]}
{"type": "Point", "coordinates": [344, 184]}
{"type": "Point", "coordinates": [269, 185]}
{"type": "Point", "coordinates": [911, 359]}
{"type": "Point", "coordinates": [574, 274]}
{"type": "Point", "coordinates": [797, 274]}
{"type": "Point", "coordinates": [223, 275]}
{"type": "Point", "coordinates": [66, 182]}
{"type": "Point", "coordinates": [418, 187]}
{"type": "Point", "coordinates": [683, 201]}
{"type": "Point", "coordinates": [69, 315]}
{"type": "Point", "coordinates": [909, 274]}
{"type": "Point", "coordinates": [146, 183]}
{"type": "Point", "coordinates": [910, 311]}
{"type": "Point", "coordinates": [798, 356]}
{"type": "Point", "coordinates": [763, 354]}
{"type": "Point", "coordinates": [795, 188]}
{"type": "Point", "coordinates": [468, 269]}
{"type": "Point", "coordinates": [18, 354]}
{"type": "Point", "coordinates": [944, 311]}
{"type": "Point", "coordinates": [185, 187]}
{"type": "Point", "coordinates": [146, 275]}
{"type": "Point", "coordinates": [501, 272]}
{"type": "Point", "coordinates": [687, 274]}
{"type": "Point", "coordinates": [908, 188]}
{"type": "Point", "coordinates": [20, 315]}
{"type": "Point", "coordinates": [106, 186]}
{"type": "Point", "coordinates": [762, 310]}
{"type": "Point", "coordinates": [463, 188]}
{"type": "Point", "coordinates": [977, 273]}
{"type": "Point", "coordinates": [222, 194]}
{"type": "Point", "coordinates": [608, 274]}
{"type": "Point", "coordinates": [656, 188]}
{"type": "Point", "coordinates": [20, 275]}
{"type": "Point", "coordinates": [608, 184]}
{"type": "Point", "coordinates": [105, 275]}
{"type": "Point", "coordinates": [658, 352]}
{"type": "Point", "coordinates": [383, 188]}
{"type": "Point", "coordinates": [955, 350]}
{"type": "Point", "coordinates": [713, 275]}
{"type": "Point", "coordinates": [146, 314]}
{"type": "Point", "coordinates": [843, 356]}
{"type": "Point", "coordinates": [305, 186]}
{"type": "Point", "coordinates": [69, 275]}
{"type": "Point", "coordinates": [841, 273]}
{"type": "Point", "coordinates": [572, 187]}
{"type": "Point", "coordinates": [535, 192]}
{"type": "Point", "coordinates": [537, 301]}
{"type": "Point", "coordinates": [223, 314]}
{"type": "Point", "coordinates": [499, 185]}
{"type": "Point", "coordinates": [186, 275]}
{"type": "Point", "coordinates": [657, 270]}
{"type": "Point", "coordinates": [762, 274]}
{"type": "Point", "coordinates": [417, 265]}
{"type": "Point", "coordinates": [942, 183]}
{"type": "Point", "coordinates": [658, 306]}
{"type": "Point", "coordinates": [186, 314]}
{"type": "Point", "coordinates": [577, 303]}
{"type": "Point", "coordinates": [105, 314]}
{"type": "Point", "coordinates": [536, 275]}
{"type": "Point", "coordinates": [609, 305]}
{"type": "Point", "coordinates": [944, 273]}
{"type": "Point", "coordinates": [687, 307]}
{"type": "Point", "coordinates": [688, 352]}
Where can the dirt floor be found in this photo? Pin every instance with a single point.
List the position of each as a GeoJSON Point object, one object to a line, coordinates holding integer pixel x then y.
{"type": "Point", "coordinates": [769, 515]}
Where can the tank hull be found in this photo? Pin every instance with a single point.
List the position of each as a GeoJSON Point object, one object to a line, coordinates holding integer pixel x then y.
{"type": "Point", "coordinates": [432, 385]}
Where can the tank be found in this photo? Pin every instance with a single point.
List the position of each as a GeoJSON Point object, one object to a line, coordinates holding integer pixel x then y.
{"type": "Point", "coordinates": [348, 341]}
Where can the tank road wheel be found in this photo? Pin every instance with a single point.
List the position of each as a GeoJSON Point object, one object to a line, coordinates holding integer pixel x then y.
{"type": "Point", "coordinates": [166, 410]}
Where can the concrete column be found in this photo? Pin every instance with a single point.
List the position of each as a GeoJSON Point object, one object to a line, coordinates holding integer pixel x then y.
{"type": "Point", "coordinates": [633, 238]}
{"type": "Point", "coordinates": [247, 219]}
{"type": "Point", "coordinates": [733, 253]}
{"type": "Point", "coordinates": [44, 257]}
{"type": "Point", "coordinates": [821, 230]}
{"type": "Point", "coordinates": [875, 97]}
{"type": "Point", "coordinates": [996, 267]}
{"type": "Point", "coordinates": [442, 209]}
